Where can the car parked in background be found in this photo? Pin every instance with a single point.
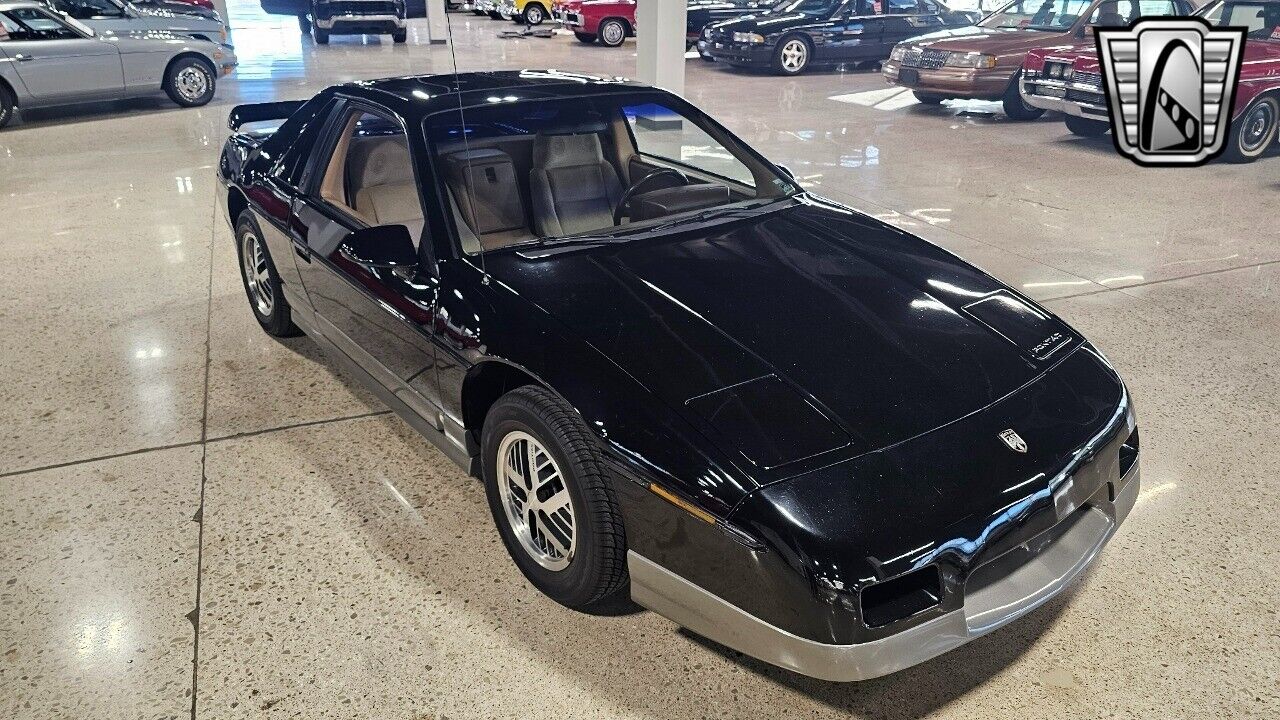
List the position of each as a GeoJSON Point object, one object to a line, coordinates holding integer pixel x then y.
{"type": "Point", "coordinates": [526, 12]}
{"type": "Point", "coordinates": [798, 34]}
{"type": "Point", "coordinates": [48, 59]}
{"type": "Point", "coordinates": [984, 61]}
{"type": "Point", "coordinates": [1069, 79]}
{"type": "Point", "coordinates": [117, 16]}
{"type": "Point", "coordinates": [180, 7]}
{"type": "Point", "coordinates": [609, 21]}
{"type": "Point", "coordinates": [358, 17]}
{"type": "Point", "coordinates": [702, 13]}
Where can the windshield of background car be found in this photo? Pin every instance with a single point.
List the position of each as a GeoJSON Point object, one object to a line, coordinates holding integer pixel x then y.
{"type": "Point", "coordinates": [808, 7]}
{"type": "Point", "coordinates": [1051, 15]}
{"type": "Point", "coordinates": [523, 172]}
{"type": "Point", "coordinates": [32, 24]}
{"type": "Point", "coordinates": [1261, 18]}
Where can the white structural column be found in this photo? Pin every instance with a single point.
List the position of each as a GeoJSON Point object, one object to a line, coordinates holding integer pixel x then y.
{"type": "Point", "coordinates": [437, 23]}
{"type": "Point", "coordinates": [660, 43]}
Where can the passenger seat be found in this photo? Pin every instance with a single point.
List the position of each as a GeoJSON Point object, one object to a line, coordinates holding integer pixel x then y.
{"type": "Point", "coordinates": [483, 188]}
{"type": "Point", "coordinates": [382, 185]}
{"type": "Point", "coordinates": [574, 189]}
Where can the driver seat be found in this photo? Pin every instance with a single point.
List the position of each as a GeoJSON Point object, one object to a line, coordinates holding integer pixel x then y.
{"type": "Point", "coordinates": [572, 187]}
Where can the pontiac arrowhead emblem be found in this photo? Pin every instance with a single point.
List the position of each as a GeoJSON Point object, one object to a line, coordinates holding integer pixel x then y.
{"type": "Point", "coordinates": [1013, 440]}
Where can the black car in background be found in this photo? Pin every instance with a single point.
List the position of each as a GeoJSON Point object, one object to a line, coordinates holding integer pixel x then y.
{"type": "Point", "coordinates": [798, 34]}
{"type": "Point", "coordinates": [702, 13]}
{"type": "Point", "coordinates": [684, 381]}
{"type": "Point", "coordinates": [339, 17]}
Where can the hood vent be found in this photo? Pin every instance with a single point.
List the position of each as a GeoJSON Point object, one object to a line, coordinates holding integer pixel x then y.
{"type": "Point", "coordinates": [1032, 330]}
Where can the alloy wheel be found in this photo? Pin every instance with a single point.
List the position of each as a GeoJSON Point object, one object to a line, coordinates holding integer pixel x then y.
{"type": "Point", "coordinates": [612, 33]}
{"type": "Point", "coordinates": [257, 275]}
{"type": "Point", "coordinates": [795, 54]}
{"type": "Point", "coordinates": [192, 83]}
{"type": "Point", "coordinates": [536, 499]}
{"type": "Point", "coordinates": [533, 14]}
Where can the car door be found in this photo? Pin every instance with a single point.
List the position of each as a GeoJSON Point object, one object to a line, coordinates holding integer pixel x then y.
{"type": "Point", "coordinates": [59, 63]}
{"type": "Point", "coordinates": [855, 28]}
{"type": "Point", "coordinates": [381, 319]}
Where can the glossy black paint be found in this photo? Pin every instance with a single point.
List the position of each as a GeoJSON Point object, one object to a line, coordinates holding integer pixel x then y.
{"type": "Point", "coordinates": [827, 386]}
{"type": "Point", "coordinates": [850, 31]}
{"type": "Point", "coordinates": [701, 13]}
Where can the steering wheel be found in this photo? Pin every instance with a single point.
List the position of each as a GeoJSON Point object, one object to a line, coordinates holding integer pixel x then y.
{"type": "Point", "coordinates": [636, 186]}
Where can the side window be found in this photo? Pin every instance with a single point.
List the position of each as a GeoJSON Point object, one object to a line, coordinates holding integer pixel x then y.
{"type": "Point", "coordinates": [900, 7]}
{"type": "Point", "coordinates": [33, 24]}
{"type": "Point", "coordinates": [9, 29]}
{"type": "Point", "coordinates": [370, 173]}
{"type": "Point", "coordinates": [1156, 7]}
{"type": "Point", "coordinates": [304, 126]}
{"type": "Point", "coordinates": [89, 9]}
{"type": "Point", "coordinates": [664, 134]}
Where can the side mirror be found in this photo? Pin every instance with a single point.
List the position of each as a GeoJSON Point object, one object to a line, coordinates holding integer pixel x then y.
{"type": "Point", "coordinates": [384, 246]}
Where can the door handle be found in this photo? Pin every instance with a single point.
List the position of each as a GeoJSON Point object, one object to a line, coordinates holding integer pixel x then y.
{"type": "Point", "coordinates": [24, 58]}
{"type": "Point", "coordinates": [302, 251]}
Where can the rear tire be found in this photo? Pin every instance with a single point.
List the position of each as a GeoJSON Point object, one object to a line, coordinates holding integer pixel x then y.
{"type": "Point", "coordinates": [572, 547]}
{"type": "Point", "coordinates": [585, 38]}
{"type": "Point", "coordinates": [8, 106]}
{"type": "Point", "coordinates": [304, 24]}
{"type": "Point", "coordinates": [612, 32]}
{"type": "Point", "coordinates": [1255, 131]}
{"type": "Point", "coordinates": [1084, 127]}
{"type": "Point", "coordinates": [261, 281]}
{"type": "Point", "coordinates": [400, 36]}
{"type": "Point", "coordinates": [190, 82]}
{"type": "Point", "coordinates": [928, 99]}
{"type": "Point", "coordinates": [321, 36]}
{"type": "Point", "coordinates": [1015, 108]}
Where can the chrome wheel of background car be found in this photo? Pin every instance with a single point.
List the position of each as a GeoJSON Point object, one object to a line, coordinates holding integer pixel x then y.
{"type": "Point", "coordinates": [533, 14]}
{"type": "Point", "coordinates": [536, 500]}
{"type": "Point", "coordinates": [793, 56]}
{"type": "Point", "coordinates": [612, 33]}
{"type": "Point", "coordinates": [257, 275]}
{"type": "Point", "coordinates": [1258, 126]}
{"type": "Point", "coordinates": [192, 82]}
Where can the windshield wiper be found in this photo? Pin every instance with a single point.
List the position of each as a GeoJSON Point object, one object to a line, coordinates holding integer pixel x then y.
{"type": "Point", "coordinates": [717, 213]}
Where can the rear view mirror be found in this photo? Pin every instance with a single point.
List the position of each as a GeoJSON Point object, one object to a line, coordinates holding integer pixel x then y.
{"type": "Point", "coordinates": [383, 246]}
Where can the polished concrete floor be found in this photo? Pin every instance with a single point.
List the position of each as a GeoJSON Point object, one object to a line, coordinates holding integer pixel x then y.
{"type": "Point", "coordinates": [175, 486]}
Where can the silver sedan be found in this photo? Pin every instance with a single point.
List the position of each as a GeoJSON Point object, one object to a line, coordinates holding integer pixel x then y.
{"type": "Point", "coordinates": [49, 59]}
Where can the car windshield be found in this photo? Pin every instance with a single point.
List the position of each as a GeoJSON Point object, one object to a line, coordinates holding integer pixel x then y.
{"type": "Point", "coordinates": [526, 172]}
{"type": "Point", "coordinates": [808, 7]}
{"type": "Point", "coordinates": [1048, 15]}
{"type": "Point", "coordinates": [1261, 18]}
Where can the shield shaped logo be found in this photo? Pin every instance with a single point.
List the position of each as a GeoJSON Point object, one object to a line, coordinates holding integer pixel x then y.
{"type": "Point", "coordinates": [1013, 440]}
{"type": "Point", "coordinates": [1171, 83]}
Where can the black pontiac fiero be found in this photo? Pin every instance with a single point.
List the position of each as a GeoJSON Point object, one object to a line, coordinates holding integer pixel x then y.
{"type": "Point", "coordinates": [685, 381]}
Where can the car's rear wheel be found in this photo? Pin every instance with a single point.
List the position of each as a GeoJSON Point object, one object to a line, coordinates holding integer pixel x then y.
{"type": "Point", "coordinates": [400, 36]}
{"type": "Point", "coordinates": [1015, 108]}
{"type": "Point", "coordinates": [586, 38]}
{"type": "Point", "coordinates": [534, 14]}
{"type": "Point", "coordinates": [190, 82]}
{"type": "Point", "coordinates": [1085, 127]}
{"type": "Point", "coordinates": [928, 99]}
{"type": "Point", "coordinates": [7, 106]}
{"type": "Point", "coordinates": [1254, 131]}
{"type": "Point", "coordinates": [304, 24]}
{"type": "Point", "coordinates": [321, 36]}
{"type": "Point", "coordinates": [612, 32]}
{"type": "Point", "coordinates": [261, 281]}
{"type": "Point", "coordinates": [552, 502]}
{"type": "Point", "coordinates": [792, 56]}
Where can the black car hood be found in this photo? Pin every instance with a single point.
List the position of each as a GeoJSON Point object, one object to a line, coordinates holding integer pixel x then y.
{"type": "Point", "coordinates": [811, 311]}
{"type": "Point", "coordinates": [767, 23]}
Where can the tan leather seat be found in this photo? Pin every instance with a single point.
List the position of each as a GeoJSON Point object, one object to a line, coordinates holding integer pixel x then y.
{"type": "Point", "coordinates": [382, 185]}
{"type": "Point", "coordinates": [486, 198]}
{"type": "Point", "coordinates": [573, 188]}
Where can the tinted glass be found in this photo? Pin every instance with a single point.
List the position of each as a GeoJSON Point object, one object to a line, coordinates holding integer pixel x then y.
{"type": "Point", "coordinates": [32, 24]}
{"type": "Point", "coordinates": [1052, 15]}
{"type": "Point", "coordinates": [295, 139]}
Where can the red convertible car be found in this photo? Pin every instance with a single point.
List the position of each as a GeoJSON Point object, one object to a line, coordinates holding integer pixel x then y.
{"type": "Point", "coordinates": [1068, 79]}
{"type": "Point", "coordinates": [610, 21]}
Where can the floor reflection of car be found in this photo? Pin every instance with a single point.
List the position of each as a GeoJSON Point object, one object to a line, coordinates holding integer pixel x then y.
{"type": "Point", "coordinates": [117, 16]}
{"type": "Point", "coordinates": [684, 381]}
{"type": "Point", "coordinates": [1068, 79]}
{"type": "Point", "coordinates": [798, 34]}
{"type": "Point", "coordinates": [48, 59]}
{"type": "Point", "coordinates": [984, 61]}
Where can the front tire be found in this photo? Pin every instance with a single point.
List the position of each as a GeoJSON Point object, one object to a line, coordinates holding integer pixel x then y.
{"type": "Point", "coordinates": [1255, 131]}
{"type": "Point", "coordinates": [1084, 127]}
{"type": "Point", "coordinates": [534, 14]}
{"type": "Point", "coordinates": [792, 56]}
{"type": "Point", "coordinates": [612, 32]}
{"type": "Point", "coordinates": [928, 99]}
{"type": "Point", "coordinates": [190, 82]}
{"type": "Point", "coordinates": [400, 36]}
{"type": "Point", "coordinates": [584, 38]}
{"type": "Point", "coordinates": [552, 502]}
{"type": "Point", "coordinates": [1015, 108]}
{"type": "Point", "coordinates": [304, 24]}
{"type": "Point", "coordinates": [8, 106]}
{"type": "Point", "coordinates": [261, 281]}
{"type": "Point", "coordinates": [321, 36]}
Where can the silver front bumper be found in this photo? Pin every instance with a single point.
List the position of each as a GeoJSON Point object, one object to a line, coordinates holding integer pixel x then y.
{"type": "Point", "coordinates": [998, 603]}
{"type": "Point", "coordinates": [360, 20]}
{"type": "Point", "coordinates": [1061, 104]}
